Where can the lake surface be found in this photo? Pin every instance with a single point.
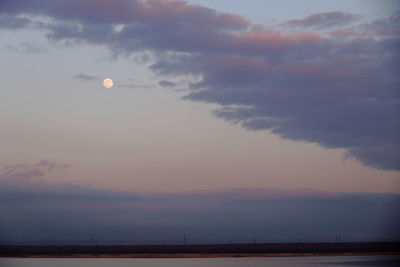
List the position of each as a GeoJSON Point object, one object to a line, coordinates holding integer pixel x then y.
{"type": "Point", "coordinates": [341, 261]}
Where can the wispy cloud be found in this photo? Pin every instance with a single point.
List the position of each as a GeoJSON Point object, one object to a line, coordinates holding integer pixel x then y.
{"type": "Point", "coordinates": [28, 47]}
{"type": "Point", "coordinates": [323, 20]}
{"type": "Point", "coordinates": [25, 173]}
{"type": "Point", "coordinates": [27, 182]}
{"type": "Point", "coordinates": [132, 84]}
{"type": "Point", "coordinates": [86, 78]}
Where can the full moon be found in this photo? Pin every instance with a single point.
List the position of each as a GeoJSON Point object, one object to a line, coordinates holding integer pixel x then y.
{"type": "Point", "coordinates": [108, 83]}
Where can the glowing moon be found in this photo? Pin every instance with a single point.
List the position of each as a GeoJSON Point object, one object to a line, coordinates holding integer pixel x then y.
{"type": "Point", "coordinates": [108, 83]}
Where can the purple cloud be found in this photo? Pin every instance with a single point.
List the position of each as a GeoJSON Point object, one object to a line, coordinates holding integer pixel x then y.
{"type": "Point", "coordinates": [10, 22]}
{"type": "Point", "coordinates": [69, 212]}
{"type": "Point", "coordinates": [323, 20]}
{"type": "Point", "coordinates": [338, 89]}
{"type": "Point", "coordinates": [165, 83]}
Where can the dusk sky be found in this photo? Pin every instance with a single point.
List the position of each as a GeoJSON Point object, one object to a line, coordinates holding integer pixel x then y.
{"type": "Point", "coordinates": [245, 115]}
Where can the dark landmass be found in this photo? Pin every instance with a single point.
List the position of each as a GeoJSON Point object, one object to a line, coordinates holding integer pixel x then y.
{"type": "Point", "coordinates": [220, 250]}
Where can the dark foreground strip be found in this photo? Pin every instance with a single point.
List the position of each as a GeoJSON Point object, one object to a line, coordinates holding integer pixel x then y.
{"type": "Point", "coordinates": [267, 248]}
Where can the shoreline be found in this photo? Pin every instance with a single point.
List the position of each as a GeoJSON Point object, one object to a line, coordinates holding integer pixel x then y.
{"type": "Point", "coordinates": [208, 255]}
{"type": "Point", "coordinates": [203, 250]}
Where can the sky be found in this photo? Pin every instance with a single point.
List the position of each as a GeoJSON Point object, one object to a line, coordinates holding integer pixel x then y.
{"type": "Point", "coordinates": [288, 109]}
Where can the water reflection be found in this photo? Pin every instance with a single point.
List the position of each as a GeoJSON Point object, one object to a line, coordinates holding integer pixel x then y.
{"type": "Point", "coordinates": [343, 261]}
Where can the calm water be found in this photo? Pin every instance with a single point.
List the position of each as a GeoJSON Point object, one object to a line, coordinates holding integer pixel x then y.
{"type": "Point", "coordinates": [220, 262]}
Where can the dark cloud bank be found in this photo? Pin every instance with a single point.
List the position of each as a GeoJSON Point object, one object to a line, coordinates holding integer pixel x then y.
{"type": "Point", "coordinates": [33, 206]}
{"type": "Point", "coordinates": [338, 88]}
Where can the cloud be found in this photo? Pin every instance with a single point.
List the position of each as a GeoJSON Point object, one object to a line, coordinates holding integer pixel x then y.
{"type": "Point", "coordinates": [338, 89]}
{"type": "Point", "coordinates": [130, 83]}
{"type": "Point", "coordinates": [9, 22]}
{"type": "Point", "coordinates": [35, 183]}
{"type": "Point", "coordinates": [86, 78]}
{"type": "Point", "coordinates": [323, 20]}
{"type": "Point", "coordinates": [388, 26]}
{"type": "Point", "coordinates": [120, 22]}
{"type": "Point", "coordinates": [68, 212]}
{"type": "Point", "coordinates": [26, 173]}
{"type": "Point", "coordinates": [28, 47]}
{"type": "Point", "coordinates": [126, 84]}
{"type": "Point", "coordinates": [165, 83]}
